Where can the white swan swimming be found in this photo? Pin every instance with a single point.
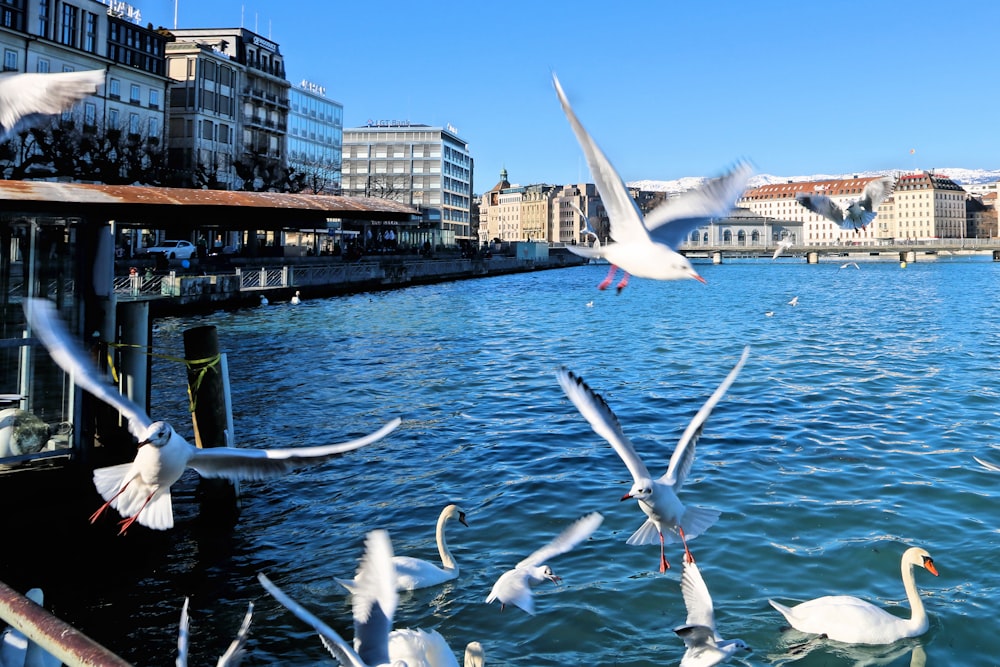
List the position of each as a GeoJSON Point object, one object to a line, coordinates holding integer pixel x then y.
{"type": "Point", "coordinates": [413, 573]}
{"type": "Point", "coordinates": [851, 620]}
{"type": "Point", "coordinates": [295, 299]}
{"type": "Point", "coordinates": [427, 648]}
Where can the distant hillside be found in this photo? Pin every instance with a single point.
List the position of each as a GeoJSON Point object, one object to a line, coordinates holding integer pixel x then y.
{"type": "Point", "coordinates": [958, 174]}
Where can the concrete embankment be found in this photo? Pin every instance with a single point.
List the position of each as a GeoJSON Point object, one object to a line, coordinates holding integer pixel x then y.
{"type": "Point", "coordinates": [190, 293]}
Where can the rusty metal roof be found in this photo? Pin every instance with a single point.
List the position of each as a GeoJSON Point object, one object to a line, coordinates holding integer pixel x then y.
{"type": "Point", "coordinates": [144, 205]}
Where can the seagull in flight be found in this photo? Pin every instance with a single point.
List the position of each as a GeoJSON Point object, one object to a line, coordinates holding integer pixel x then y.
{"type": "Point", "coordinates": [859, 212]}
{"type": "Point", "coordinates": [647, 247]}
{"type": "Point", "coordinates": [656, 498]}
{"type": "Point", "coordinates": [794, 301]}
{"type": "Point", "coordinates": [514, 586]}
{"type": "Point", "coordinates": [24, 98]}
{"type": "Point", "coordinates": [847, 264]}
{"type": "Point", "coordinates": [233, 655]}
{"type": "Point", "coordinates": [140, 490]}
{"type": "Point", "coordinates": [783, 245]}
{"type": "Point", "coordinates": [373, 603]}
{"type": "Point", "coordinates": [705, 647]}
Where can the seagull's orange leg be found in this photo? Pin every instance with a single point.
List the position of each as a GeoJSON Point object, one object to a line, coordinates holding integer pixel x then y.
{"type": "Point", "coordinates": [607, 280]}
{"type": "Point", "coordinates": [105, 506]}
{"type": "Point", "coordinates": [125, 523]}
{"type": "Point", "coordinates": [687, 552]}
{"type": "Point", "coordinates": [664, 565]}
{"type": "Point", "coordinates": [623, 283]}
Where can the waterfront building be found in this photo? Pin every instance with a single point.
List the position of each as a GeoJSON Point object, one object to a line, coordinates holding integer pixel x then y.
{"type": "Point", "coordinates": [76, 35]}
{"type": "Point", "coordinates": [315, 137]}
{"type": "Point", "coordinates": [743, 228]}
{"type": "Point", "coordinates": [490, 214]}
{"type": "Point", "coordinates": [981, 212]}
{"type": "Point", "coordinates": [427, 167]}
{"type": "Point", "coordinates": [777, 200]}
{"type": "Point", "coordinates": [204, 114]}
{"type": "Point", "coordinates": [246, 80]}
{"type": "Point", "coordinates": [567, 225]}
{"type": "Point", "coordinates": [928, 206]}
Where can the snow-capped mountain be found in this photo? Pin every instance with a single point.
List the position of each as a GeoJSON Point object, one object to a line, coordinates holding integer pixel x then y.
{"type": "Point", "coordinates": [958, 174]}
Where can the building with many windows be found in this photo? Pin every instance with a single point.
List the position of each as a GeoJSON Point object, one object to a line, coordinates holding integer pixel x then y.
{"type": "Point", "coordinates": [204, 114]}
{"type": "Point", "coordinates": [75, 35]}
{"type": "Point", "coordinates": [254, 79]}
{"type": "Point", "coordinates": [927, 206]}
{"type": "Point", "coordinates": [315, 137]}
{"type": "Point", "coordinates": [427, 167]}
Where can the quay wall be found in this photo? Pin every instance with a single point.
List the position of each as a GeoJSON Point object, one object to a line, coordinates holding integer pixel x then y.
{"type": "Point", "coordinates": [189, 293]}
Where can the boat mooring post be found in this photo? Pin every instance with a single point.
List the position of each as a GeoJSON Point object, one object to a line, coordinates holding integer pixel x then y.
{"type": "Point", "coordinates": [210, 416]}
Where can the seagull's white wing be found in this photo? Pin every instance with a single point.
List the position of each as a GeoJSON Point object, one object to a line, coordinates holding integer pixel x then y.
{"type": "Point", "coordinates": [782, 247]}
{"type": "Point", "coordinates": [822, 205]}
{"type": "Point", "coordinates": [672, 221]}
{"type": "Point", "coordinates": [374, 599]}
{"type": "Point", "coordinates": [623, 213]}
{"type": "Point", "coordinates": [237, 649]}
{"type": "Point", "coordinates": [183, 635]}
{"type": "Point", "coordinates": [577, 532]}
{"type": "Point", "coordinates": [68, 353]}
{"type": "Point", "coordinates": [877, 191]}
{"type": "Point", "coordinates": [595, 252]}
{"type": "Point", "coordinates": [988, 466]}
{"type": "Point", "coordinates": [696, 597]}
{"type": "Point", "coordinates": [235, 463]}
{"type": "Point", "coordinates": [683, 456]}
{"type": "Point", "coordinates": [701, 644]}
{"type": "Point", "coordinates": [43, 93]}
{"type": "Point", "coordinates": [604, 422]}
{"type": "Point", "coordinates": [340, 649]}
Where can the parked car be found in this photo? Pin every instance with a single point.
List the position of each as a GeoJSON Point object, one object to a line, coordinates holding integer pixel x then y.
{"type": "Point", "coordinates": [173, 249]}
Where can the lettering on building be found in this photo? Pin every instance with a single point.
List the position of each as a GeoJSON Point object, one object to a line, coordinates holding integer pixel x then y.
{"type": "Point", "coordinates": [264, 44]}
{"type": "Point", "coordinates": [387, 123]}
{"type": "Point", "coordinates": [313, 87]}
{"type": "Point", "coordinates": [122, 10]}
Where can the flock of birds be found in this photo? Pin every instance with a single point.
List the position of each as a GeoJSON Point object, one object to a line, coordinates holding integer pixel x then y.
{"type": "Point", "coordinates": [643, 246]}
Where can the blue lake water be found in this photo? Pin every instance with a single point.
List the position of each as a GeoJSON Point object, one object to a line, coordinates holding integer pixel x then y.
{"type": "Point", "coordinates": [848, 437]}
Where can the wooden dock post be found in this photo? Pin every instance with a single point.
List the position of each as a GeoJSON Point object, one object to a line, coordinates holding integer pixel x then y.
{"type": "Point", "coordinates": [207, 386]}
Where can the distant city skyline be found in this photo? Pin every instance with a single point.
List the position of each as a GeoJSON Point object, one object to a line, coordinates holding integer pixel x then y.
{"type": "Point", "coordinates": [668, 90]}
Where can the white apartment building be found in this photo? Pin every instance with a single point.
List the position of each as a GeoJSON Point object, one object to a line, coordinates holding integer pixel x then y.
{"type": "Point", "coordinates": [777, 201]}
{"type": "Point", "coordinates": [427, 167]}
{"type": "Point", "coordinates": [77, 35]}
{"type": "Point", "coordinates": [923, 206]}
{"type": "Point", "coordinates": [927, 206]}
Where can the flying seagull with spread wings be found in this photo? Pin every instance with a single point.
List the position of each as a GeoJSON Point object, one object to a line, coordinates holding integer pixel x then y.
{"type": "Point", "coordinates": [857, 214]}
{"type": "Point", "coordinates": [25, 98]}
{"type": "Point", "coordinates": [140, 490]}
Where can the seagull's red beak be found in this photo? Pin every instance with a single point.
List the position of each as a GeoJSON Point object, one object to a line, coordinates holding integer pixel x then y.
{"type": "Point", "coordinates": [698, 278]}
{"type": "Point", "coordinates": [627, 496]}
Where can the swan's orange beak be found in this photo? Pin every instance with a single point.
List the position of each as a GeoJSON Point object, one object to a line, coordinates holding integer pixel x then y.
{"type": "Point", "coordinates": [929, 566]}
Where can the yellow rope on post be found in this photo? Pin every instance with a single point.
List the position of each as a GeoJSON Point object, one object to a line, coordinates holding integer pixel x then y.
{"type": "Point", "coordinates": [201, 366]}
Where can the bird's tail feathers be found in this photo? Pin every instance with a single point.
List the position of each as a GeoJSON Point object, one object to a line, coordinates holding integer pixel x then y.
{"type": "Point", "coordinates": [647, 534]}
{"type": "Point", "coordinates": [697, 520]}
{"type": "Point", "coordinates": [785, 611]}
{"type": "Point", "coordinates": [596, 252]}
{"type": "Point", "coordinates": [110, 479]}
{"type": "Point", "coordinates": [346, 583]}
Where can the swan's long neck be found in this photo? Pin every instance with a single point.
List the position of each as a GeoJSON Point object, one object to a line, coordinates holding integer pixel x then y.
{"type": "Point", "coordinates": [446, 560]}
{"type": "Point", "coordinates": [918, 616]}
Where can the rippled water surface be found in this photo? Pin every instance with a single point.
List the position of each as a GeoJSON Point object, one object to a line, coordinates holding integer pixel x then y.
{"type": "Point", "coordinates": [848, 436]}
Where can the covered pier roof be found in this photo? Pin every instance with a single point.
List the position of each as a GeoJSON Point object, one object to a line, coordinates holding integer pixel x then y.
{"type": "Point", "coordinates": [154, 206]}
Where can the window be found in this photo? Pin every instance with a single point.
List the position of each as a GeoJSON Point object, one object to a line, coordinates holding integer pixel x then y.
{"type": "Point", "coordinates": [154, 127]}
{"type": "Point", "coordinates": [90, 114]}
{"type": "Point", "coordinates": [9, 60]}
{"type": "Point", "coordinates": [134, 93]}
{"type": "Point", "coordinates": [113, 120]}
{"type": "Point", "coordinates": [43, 65]}
{"type": "Point", "coordinates": [133, 123]}
{"type": "Point", "coordinates": [67, 29]}
{"type": "Point", "coordinates": [43, 18]}
{"type": "Point", "coordinates": [90, 32]}
{"type": "Point", "coordinates": [154, 98]}
{"type": "Point", "coordinates": [115, 89]}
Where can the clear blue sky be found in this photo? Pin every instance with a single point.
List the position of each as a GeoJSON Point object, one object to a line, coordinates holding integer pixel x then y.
{"type": "Point", "coordinates": [667, 88]}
